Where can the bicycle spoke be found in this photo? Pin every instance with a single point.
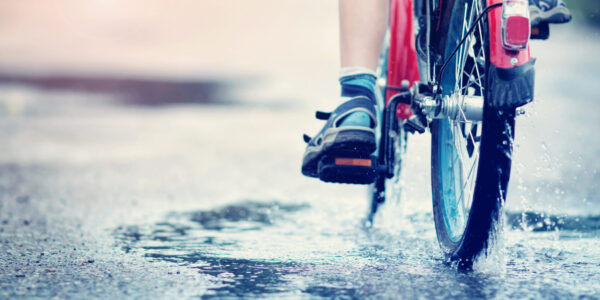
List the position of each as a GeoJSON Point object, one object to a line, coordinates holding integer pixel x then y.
{"type": "Point", "coordinates": [464, 135]}
{"type": "Point", "coordinates": [467, 76]}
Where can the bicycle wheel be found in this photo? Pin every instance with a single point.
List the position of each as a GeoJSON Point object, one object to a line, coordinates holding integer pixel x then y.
{"type": "Point", "coordinates": [470, 160]}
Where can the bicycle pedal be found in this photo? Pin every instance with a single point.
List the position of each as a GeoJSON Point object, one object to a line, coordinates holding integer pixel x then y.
{"type": "Point", "coordinates": [352, 170]}
{"type": "Point", "coordinates": [540, 31]}
{"type": "Point", "coordinates": [415, 124]}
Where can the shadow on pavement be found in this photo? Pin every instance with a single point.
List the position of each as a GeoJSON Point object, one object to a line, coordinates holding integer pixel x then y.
{"type": "Point", "coordinates": [132, 90]}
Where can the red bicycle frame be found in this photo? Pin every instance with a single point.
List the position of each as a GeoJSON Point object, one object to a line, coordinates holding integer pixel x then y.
{"type": "Point", "coordinates": [402, 55]}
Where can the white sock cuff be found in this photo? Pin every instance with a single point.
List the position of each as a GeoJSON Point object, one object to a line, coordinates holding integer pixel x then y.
{"type": "Point", "coordinates": [349, 71]}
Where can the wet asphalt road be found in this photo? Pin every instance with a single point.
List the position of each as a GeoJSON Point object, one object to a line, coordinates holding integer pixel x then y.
{"type": "Point", "coordinates": [100, 199]}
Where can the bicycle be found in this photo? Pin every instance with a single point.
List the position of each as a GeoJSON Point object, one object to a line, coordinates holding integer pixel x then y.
{"type": "Point", "coordinates": [462, 76]}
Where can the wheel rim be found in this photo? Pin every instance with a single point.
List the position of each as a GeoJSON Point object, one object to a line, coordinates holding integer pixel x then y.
{"type": "Point", "coordinates": [459, 138]}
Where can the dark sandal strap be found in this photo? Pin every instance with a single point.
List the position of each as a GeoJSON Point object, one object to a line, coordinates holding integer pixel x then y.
{"type": "Point", "coordinates": [306, 138]}
{"type": "Point", "coordinates": [322, 115]}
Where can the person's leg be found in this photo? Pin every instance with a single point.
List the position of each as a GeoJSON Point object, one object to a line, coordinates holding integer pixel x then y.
{"type": "Point", "coordinates": [350, 129]}
{"type": "Point", "coordinates": [362, 27]}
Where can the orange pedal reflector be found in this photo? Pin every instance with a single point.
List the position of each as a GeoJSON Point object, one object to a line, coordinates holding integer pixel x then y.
{"type": "Point", "coordinates": [362, 162]}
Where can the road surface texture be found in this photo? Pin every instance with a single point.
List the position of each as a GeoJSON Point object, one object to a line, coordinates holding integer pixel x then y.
{"type": "Point", "coordinates": [181, 177]}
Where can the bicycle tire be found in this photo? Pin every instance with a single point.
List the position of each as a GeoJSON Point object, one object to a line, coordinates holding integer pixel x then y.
{"type": "Point", "coordinates": [464, 229]}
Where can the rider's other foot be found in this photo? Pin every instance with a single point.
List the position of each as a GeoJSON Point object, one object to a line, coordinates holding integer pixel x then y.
{"type": "Point", "coordinates": [548, 11]}
{"type": "Point", "coordinates": [350, 129]}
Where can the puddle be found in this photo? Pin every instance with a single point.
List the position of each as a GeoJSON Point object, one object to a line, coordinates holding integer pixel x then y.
{"type": "Point", "coordinates": [204, 240]}
{"type": "Point", "coordinates": [540, 222]}
{"type": "Point", "coordinates": [271, 250]}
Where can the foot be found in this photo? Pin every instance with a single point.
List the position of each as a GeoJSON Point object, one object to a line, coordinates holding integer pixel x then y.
{"type": "Point", "coordinates": [348, 134]}
{"type": "Point", "coordinates": [548, 11]}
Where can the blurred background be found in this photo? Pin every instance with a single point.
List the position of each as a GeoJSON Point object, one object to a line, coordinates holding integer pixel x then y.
{"type": "Point", "coordinates": [113, 45]}
{"type": "Point", "coordinates": [587, 11]}
{"type": "Point", "coordinates": [127, 125]}
{"type": "Point", "coordinates": [289, 42]}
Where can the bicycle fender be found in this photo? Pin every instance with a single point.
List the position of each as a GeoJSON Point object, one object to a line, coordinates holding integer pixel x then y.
{"type": "Point", "coordinates": [509, 88]}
